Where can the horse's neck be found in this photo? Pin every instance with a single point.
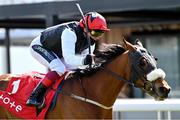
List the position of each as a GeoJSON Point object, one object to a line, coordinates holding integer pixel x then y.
{"type": "Point", "coordinates": [104, 87]}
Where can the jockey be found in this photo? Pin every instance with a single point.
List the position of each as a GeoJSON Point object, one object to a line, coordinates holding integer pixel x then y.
{"type": "Point", "coordinates": [64, 47]}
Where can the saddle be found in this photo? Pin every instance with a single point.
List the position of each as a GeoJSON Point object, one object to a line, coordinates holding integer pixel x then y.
{"type": "Point", "coordinates": [18, 91]}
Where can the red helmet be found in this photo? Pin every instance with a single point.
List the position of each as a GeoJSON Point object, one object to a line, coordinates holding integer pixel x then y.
{"type": "Point", "coordinates": [95, 21]}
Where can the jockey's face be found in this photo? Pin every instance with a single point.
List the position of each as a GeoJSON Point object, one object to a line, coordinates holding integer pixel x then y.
{"type": "Point", "coordinates": [96, 34]}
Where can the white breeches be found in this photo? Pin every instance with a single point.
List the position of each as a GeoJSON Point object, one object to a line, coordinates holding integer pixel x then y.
{"type": "Point", "coordinates": [48, 58]}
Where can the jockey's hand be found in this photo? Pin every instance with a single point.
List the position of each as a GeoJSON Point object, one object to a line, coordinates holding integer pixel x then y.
{"type": "Point", "coordinates": [88, 59]}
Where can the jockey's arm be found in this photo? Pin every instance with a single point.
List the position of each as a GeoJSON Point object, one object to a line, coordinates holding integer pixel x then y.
{"type": "Point", "coordinates": [69, 39]}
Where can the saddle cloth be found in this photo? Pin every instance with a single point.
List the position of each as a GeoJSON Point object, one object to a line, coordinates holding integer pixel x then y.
{"type": "Point", "coordinates": [18, 91]}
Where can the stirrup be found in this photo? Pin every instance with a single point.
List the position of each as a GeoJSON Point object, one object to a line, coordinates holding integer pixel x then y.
{"type": "Point", "coordinates": [42, 105]}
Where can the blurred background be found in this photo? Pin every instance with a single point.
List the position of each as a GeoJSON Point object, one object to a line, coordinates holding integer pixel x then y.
{"type": "Point", "coordinates": [155, 23]}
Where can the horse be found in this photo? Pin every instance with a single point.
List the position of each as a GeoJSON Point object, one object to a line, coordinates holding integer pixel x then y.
{"type": "Point", "coordinates": [90, 93]}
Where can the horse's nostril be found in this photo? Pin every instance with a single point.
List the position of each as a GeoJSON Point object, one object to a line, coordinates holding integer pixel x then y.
{"type": "Point", "coordinates": [163, 91]}
{"type": "Point", "coordinates": [168, 90]}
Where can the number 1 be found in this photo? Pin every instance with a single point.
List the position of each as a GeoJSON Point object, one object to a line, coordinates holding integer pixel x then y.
{"type": "Point", "coordinates": [15, 86]}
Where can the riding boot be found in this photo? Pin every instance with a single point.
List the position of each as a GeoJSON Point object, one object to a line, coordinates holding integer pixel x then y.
{"type": "Point", "coordinates": [37, 96]}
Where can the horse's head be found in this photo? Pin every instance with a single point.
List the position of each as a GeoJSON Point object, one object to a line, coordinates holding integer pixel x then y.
{"type": "Point", "coordinates": [144, 72]}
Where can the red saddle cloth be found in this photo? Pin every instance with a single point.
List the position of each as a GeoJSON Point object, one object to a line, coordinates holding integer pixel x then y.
{"type": "Point", "coordinates": [18, 91]}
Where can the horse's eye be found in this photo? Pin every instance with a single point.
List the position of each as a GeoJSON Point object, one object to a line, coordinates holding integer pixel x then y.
{"type": "Point", "coordinates": [156, 59]}
{"type": "Point", "coordinates": [143, 51]}
{"type": "Point", "coordinates": [143, 62]}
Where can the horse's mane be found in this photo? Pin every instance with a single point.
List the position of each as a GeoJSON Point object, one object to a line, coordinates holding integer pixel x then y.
{"type": "Point", "coordinates": [107, 52]}
{"type": "Point", "coordinates": [103, 54]}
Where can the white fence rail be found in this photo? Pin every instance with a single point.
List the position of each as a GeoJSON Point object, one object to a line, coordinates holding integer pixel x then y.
{"type": "Point", "coordinates": [134, 105]}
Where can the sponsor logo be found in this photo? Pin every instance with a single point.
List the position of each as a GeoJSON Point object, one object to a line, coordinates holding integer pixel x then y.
{"type": "Point", "coordinates": [10, 103]}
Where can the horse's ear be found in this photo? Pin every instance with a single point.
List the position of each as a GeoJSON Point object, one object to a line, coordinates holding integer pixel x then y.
{"type": "Point", "coordinates": [127, 45]}
{"type": "Point", "coordinates": [138, 42]}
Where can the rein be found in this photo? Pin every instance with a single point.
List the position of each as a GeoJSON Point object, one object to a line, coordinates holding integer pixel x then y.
{"type": "Point", "coordinates": [94, 102]}
{"type": "Point", "coordinates": [118, 77]}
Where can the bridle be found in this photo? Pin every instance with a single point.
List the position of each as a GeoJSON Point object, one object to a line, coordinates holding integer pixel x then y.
{"type": "Point", "coordinates": [136, 72]}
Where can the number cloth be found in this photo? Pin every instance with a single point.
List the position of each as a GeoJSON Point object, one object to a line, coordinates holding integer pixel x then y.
{"type": "Point", "coordinates": [18, 91]}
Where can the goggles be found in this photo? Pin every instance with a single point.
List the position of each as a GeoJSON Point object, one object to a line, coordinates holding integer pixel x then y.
{"type": "Point", "coordinates": [96, 33]}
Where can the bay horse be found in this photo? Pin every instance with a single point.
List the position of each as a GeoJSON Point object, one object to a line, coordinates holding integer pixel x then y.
{"type": "Point", "coordinates": [91, 92]}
